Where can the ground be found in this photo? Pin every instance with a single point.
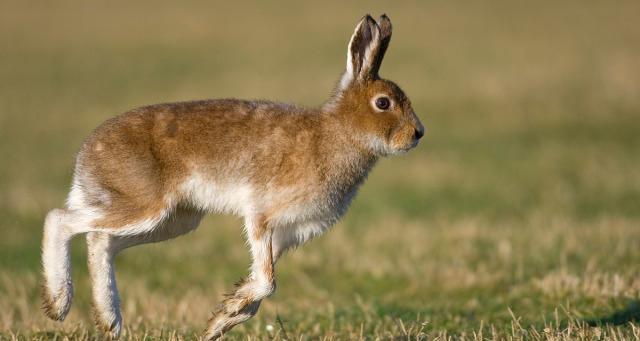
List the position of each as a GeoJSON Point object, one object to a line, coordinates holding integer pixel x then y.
{"type": "Point", "coordinates": [517, 217]}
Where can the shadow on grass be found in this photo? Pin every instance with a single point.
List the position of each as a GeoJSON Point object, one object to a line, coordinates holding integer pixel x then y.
{"type": "Point", "coordinates": [631, 313]}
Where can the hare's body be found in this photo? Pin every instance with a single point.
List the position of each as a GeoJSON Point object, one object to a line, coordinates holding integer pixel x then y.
{"type": "Point", "coordinates": [261, 160]}
{"type": "Point", "coordinates": [152, 173]}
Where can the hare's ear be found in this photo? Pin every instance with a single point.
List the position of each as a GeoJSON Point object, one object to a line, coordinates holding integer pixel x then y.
{"type": "Point", "coordinates": [363, 52]}
{"type": "Point", "coordinates": [385, 37]}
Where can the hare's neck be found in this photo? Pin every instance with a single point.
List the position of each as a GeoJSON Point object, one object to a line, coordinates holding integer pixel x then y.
{"type": "Point", "coordinates": [346, 164]}
{"type": "Point", "coordinates": [349, 167]}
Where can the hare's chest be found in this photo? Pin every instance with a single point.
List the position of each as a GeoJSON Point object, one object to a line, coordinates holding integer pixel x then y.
{"type": "Point", "coordinates": [312, 205]}
{"type": "Point", "coordinates": [309, 218]}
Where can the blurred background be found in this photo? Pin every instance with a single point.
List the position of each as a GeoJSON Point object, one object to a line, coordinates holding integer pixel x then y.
{"type": "Point", "coordinates": [518, 215]}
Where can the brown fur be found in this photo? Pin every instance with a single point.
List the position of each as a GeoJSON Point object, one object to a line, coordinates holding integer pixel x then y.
{"type": "Point", "coordinates": [146, 153]}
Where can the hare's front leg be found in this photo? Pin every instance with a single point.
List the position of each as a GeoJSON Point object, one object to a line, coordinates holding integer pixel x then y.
{"type": "Point", "coordinates": [244, 302]}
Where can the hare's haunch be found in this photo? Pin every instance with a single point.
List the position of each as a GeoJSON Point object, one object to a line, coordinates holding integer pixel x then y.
{"type": "Point", "coordinates": [290, 172]}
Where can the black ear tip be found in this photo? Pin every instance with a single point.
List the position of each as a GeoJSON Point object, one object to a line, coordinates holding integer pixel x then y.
{"type": "Point", "coordinates": [385, 25]}
{"type": "Point", "coordinates": [384, 19]}
{"type": "Point", "coordinates": [368, 23]}
{"type": "Point", "coordinates": [369, 19]}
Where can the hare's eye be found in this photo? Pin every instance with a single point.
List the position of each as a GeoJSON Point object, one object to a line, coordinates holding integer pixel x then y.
{"type": "Point", "coordinates": [383, 103]}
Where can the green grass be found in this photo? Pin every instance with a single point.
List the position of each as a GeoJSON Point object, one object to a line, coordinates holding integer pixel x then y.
{"type": "Point", "coordinates": [516, 218]}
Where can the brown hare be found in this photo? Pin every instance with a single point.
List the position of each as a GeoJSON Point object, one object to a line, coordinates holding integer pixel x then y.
{"type": "Point", "coordinates": [290, 172]}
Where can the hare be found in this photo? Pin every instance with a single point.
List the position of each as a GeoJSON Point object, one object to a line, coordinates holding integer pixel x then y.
{"type": "Point", "coordinates": [290, 172]}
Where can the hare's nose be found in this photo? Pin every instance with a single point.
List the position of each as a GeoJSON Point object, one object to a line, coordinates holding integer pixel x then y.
{"type": "Point", "coordinates": [418, 133]}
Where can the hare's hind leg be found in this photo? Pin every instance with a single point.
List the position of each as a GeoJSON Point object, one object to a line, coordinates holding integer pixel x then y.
{"type": "Point", "coordinates": [244, 302]}
{"type": "Point", "coordinates": [102, 248]}
{"type": "Point", "coordinates": [59, 228]}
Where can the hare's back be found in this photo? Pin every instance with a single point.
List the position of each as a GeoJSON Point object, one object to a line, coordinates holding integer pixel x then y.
{"type": "Point", "coordinates": [146, 153]}
{"type": "Point", "coordinates": [138, 150]}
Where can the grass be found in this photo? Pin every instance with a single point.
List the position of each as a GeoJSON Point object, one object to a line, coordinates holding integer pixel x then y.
{"type": "Point", "coordinates": [516, 218]}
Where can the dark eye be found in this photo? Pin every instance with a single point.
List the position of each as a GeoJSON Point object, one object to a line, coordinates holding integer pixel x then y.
{"type": "Point", "coordinates": [383, 103]}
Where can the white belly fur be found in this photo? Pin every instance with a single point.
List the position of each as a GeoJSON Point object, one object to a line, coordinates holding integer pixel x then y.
{"type": "Point", "coordinates": [298, 222]}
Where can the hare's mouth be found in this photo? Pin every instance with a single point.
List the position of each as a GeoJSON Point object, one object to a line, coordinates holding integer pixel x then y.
{"type": "Point", "coordinates": [406, 148]}
{"type": "Point", "coordinates": [412, 145]}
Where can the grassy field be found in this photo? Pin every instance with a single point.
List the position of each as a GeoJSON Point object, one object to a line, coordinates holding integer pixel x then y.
{"type": "Point", "coordinates": [518, 217]}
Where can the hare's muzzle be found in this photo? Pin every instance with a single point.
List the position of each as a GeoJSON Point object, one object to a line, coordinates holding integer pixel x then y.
{"type": "Point", "coordinates": [419, 133]}
{"type": "Point", "coordinates": [417, 126]}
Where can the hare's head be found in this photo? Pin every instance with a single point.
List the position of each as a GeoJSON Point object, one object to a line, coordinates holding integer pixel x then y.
{"type": "Point", "coordinates": [377, 111]}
